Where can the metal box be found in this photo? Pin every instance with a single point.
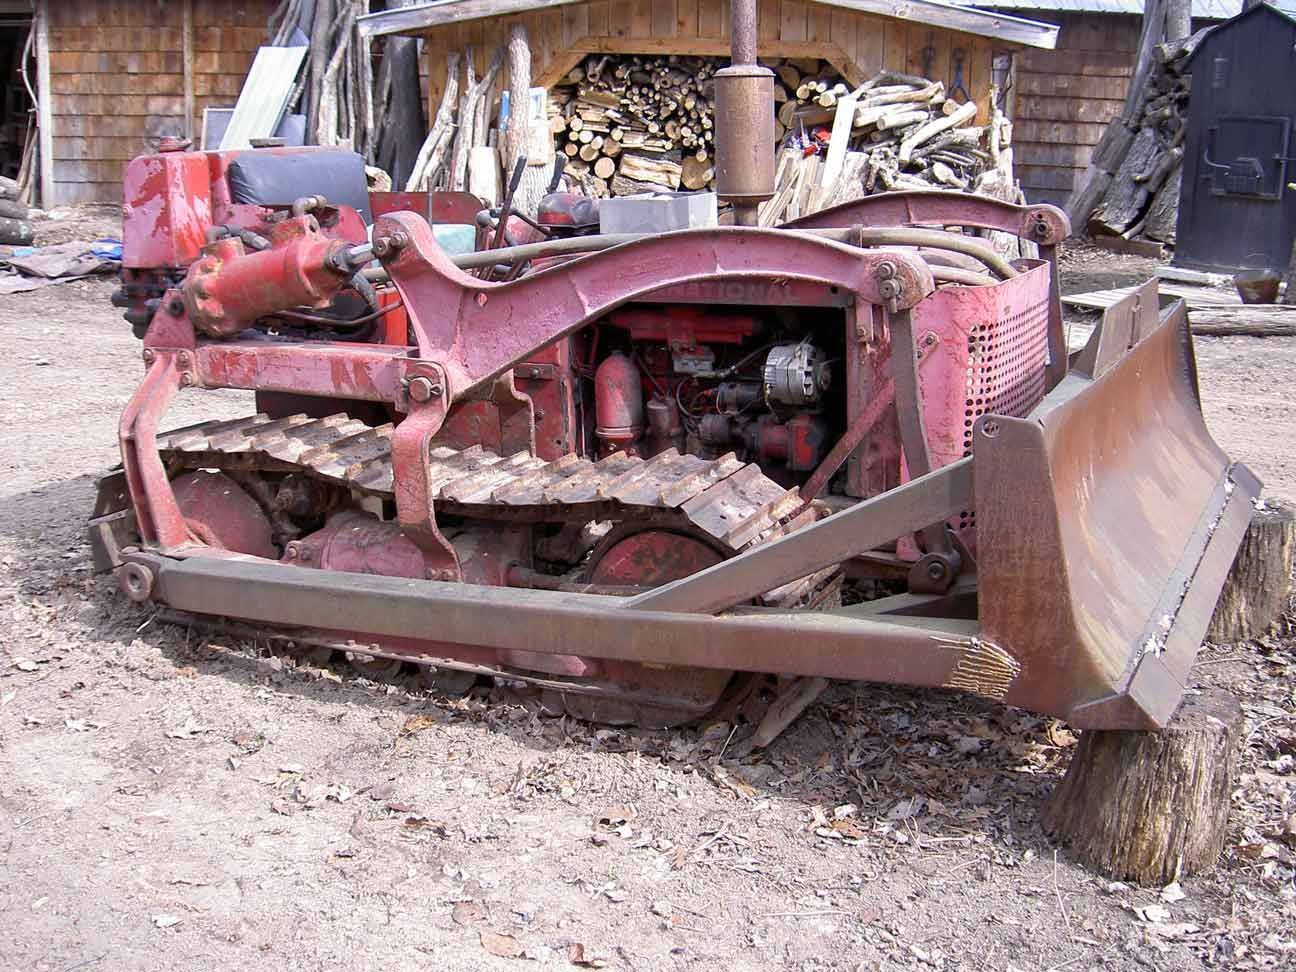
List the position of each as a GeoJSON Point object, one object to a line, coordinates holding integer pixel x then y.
{"type": "Point", "coordinates": [657, 212]}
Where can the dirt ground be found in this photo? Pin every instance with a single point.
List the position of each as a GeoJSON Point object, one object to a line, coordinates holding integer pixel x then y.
{"type": "Point", "coordinates": [169, 801]}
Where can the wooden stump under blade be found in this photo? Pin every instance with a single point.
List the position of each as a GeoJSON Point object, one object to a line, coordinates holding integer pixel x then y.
{"type": "Point", "coordinates": [1260, 584]}
{"type": "Point", "coordinates": [1152, 807]}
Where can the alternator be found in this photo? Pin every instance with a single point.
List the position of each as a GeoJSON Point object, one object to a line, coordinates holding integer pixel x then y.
{"type": "Point", "coordinates": [795, 374]}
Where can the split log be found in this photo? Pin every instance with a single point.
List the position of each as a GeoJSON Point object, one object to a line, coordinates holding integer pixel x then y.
{"type": "Point", "coordinates": [662, 173]}
{"type": "Point", "coordinates": [963, 115]}
{"type": "Point", "coordinates": [695, 173]}
{"type": "Point", "coordinates": [438, 137]}
{"type": "Point", "coordinates": [1126, 197]}
{"type": "Point", "coordinates": [1152, 807]}
{"type": "Point", "coordinates": [1248, 320]}
{"type": "Point", "coordinates": [1259, 586]}
{"type": "Point", "coordinates": [1163, 213]}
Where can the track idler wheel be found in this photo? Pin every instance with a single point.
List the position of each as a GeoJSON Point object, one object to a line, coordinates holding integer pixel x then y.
{"type": "Point", "coordinates": [220, 513]}
{"type": "Point", "coordinates": [650, 696]}
{"type": "Point", "coordinates": [448, 682]}
{"type": "Point", "coordinates": [383, 670]}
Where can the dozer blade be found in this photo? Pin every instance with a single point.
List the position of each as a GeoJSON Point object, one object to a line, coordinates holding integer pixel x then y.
{"type": "Point", "coordinates": [1107, 522]}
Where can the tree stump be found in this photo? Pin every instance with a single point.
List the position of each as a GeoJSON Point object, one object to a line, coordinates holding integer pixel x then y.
{"type": "Point", "coordinates": [1151, 807]}
{"type": "Point", "coordinates": [1259, 585]}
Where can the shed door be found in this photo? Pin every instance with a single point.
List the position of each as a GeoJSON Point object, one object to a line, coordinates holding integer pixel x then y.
{"type": "Point", "coordinates": [1246, 156]}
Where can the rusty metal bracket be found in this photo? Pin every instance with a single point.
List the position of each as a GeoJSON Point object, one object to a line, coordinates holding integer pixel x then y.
{"type": "Point", "coordinates": [938, 568]}
{"type": "Point", "coordinates": [427, 397]}
{"type": "Point", "coordinates": [833, 540]}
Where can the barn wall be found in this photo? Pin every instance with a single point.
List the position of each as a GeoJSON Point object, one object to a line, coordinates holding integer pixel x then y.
{"type": "Point", "coordinates": [1064, 98]}
{"type": "Point", "coordinates": [117, 80]}
{"type": "Point", "coordinates": [786, 28]}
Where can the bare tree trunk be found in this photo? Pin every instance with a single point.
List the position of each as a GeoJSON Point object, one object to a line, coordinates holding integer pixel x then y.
{"type": "Point", "coordinates": [442, 126]}
{"type": "Point", "coordinates": [519, 61]}
{"type": "Point", "coordinates": [1152, 807]}
{"type": "Point", "coordinates": [318, 62]}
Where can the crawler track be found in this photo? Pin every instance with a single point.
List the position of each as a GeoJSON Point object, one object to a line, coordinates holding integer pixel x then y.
{"type": "Point", "coordinates": [730, 501]}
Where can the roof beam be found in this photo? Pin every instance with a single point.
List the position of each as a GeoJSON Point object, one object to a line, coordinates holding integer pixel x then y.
{"type": "Point", "coordinates": [1016, 30]}
{"type": "Point", "coordinates": [1001, 27]}
{"type": "Point", "coordinates": [406, 20]}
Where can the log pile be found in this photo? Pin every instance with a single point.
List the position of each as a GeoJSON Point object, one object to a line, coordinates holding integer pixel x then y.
{"type": "Point", "coordinates": [904, 133]}
{"type": "Point", "coordinates": [1131, 187]}
{"type": "Point", "coordinates": [630, 124]}
{"type": "Point", "coordinates": [633, 123]}
{"type": "Point", "coordinates": [1143, 198]}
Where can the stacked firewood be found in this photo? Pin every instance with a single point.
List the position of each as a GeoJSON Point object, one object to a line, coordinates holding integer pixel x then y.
{"type": "Point", "coordinates": [631, 123]}
{"type": "Point", "coordinates": [636, 123]}
{"type": "Point", "coordinates": [1143, 197]}
{"type": "Point", "coordinates": [904, 133]}
{"type": "Point", "coordinates": [1131, 185]}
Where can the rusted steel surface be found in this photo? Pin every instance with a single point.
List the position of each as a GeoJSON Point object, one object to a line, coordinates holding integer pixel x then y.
{"type": "Point", "coordinates": [435, 207]}
{"type": "Point", "coordinates": [1041, 224]}
{"type": "Point", "coordinates": [1092, 519]}
{"type": "Point", "coordinates": [728, 500]}
{"type": "Point", "coordinates": [834, 540]}
{"type": "Point", "coordinates": [826, 643]}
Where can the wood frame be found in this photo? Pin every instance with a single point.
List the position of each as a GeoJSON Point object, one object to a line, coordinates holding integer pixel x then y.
{"type": "Point", "coordinates": [997, 26]}
{"type": "Point", "coordinates": [187, 56]}
{"type": "Point", "coordinates": [44, 110]}
{"type": "Point", "coordinates": [695, 47]}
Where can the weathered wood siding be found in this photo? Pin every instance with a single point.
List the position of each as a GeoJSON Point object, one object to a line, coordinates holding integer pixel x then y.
{"type": "Point", "coordinates": [858, 44]}
{"type": "Point", "coordinates": [1065, 97]}
{"type": "Point", "coordinates": [117, 80]}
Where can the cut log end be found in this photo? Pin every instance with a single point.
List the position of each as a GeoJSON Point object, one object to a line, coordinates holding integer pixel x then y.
{"type": "Point", "coordinates": [1152, 807]}
{"type": "Point", "coordinates": [1259, 586]}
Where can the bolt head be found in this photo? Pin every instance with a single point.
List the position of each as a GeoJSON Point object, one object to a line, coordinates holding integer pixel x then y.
{"type": "Point", "coordinates": [149, 356]}
{"type": "Point", "coordinates": [420, 388]}
{"type": "Point", "coordinates": [186, 380]}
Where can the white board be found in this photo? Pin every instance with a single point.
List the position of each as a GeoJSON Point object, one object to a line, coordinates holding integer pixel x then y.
{"type": "Point", "coordinates": [264, 97]}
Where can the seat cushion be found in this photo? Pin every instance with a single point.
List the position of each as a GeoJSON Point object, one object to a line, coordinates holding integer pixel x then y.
{"type": "Point", "coordinates": [263, 177]}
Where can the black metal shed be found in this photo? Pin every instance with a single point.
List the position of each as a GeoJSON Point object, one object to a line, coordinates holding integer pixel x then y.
{"type": "Point", "coordinates": [1236, 210]}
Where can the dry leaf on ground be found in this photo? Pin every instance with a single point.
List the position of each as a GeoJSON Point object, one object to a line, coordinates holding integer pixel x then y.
{"type": "Point", "coordinates": [505, 946]}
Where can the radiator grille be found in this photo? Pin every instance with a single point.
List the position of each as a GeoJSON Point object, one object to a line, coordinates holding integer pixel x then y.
{"type": "Point", "coordinates": [1005, 372]}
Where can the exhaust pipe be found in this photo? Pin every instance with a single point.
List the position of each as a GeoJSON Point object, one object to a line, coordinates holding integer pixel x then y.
{"type": "Point", "coordinates": [744, 112]}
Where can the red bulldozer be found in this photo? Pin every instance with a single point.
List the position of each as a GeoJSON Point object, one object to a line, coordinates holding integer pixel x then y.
{"type": "Point", "coordinates": [636, 470]}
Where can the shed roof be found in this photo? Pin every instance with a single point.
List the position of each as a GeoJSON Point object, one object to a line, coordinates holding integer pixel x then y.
{"type": "Point", "coordinates": [1201, 9]}
{"type": "Point", "coordinates": [935, 13]}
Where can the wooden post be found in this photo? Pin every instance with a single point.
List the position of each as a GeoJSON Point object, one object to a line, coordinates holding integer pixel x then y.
{"type": "Point", "coordinates": [1259, 586]}
{"type": "Point", "coordinates": [1152, 807]}
{"type": "Point", "coordinates": [44, 108]}
{"type": "Point", "coordinates": [187, 58]}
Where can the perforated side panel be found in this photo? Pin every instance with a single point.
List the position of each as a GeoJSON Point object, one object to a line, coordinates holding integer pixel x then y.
{"type": "Point", "coordinates": [1005, 371]}
{"type": "Point", "coordinates": [1006, 361]}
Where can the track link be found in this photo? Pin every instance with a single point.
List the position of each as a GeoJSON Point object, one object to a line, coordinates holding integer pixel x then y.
{"type": "Point", "coordinates": [726, 499]}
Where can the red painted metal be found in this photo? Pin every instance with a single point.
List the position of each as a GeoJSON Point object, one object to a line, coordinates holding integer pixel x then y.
{"type": "Point", "coordinates": [618, 402]}
{"type": "Point", "coordinates": [171, 200]}
{"type": "Point", "coordinates": [684, 326]}
{"type": "Point", "coordinates": [1041, 224]}
{"type": "Point", "coordinates": [435, 207]}
{"type": "Point", "coordinates": [220, 513]}
{"type": "Point", "coordinates": [228, 289]}
{"type": "Point", "coordinates": [457, 318]}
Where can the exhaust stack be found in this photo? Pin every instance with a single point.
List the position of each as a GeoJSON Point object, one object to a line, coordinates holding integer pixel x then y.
{"type": "Point", "coordinates": [744, 112]}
